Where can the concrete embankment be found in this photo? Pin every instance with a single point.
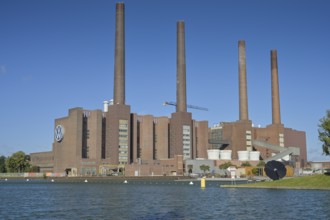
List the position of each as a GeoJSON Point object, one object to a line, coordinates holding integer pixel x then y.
{"type": "Point", "coordinates": [100, 179]}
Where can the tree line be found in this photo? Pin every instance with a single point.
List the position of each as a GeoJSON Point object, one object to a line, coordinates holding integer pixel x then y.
{"type": "Point", "coordinates": [18, 162]}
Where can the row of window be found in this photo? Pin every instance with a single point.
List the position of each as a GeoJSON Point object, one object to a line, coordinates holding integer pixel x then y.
{"type": "Point", "coordinates": [123, 141]}
{"type": "Point", "coordinates": [186, 142]}
{"type": "Point", "coordinates": [123, 158]}
{"type": "Point", "coordinates": [123, 153]}
{"type": "Point", "coordinates": [248, 138]}
{"type": "Point", "coordinates": [281, 140]}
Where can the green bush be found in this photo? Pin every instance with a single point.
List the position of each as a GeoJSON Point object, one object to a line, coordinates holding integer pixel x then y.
{"type": "Point", "coordinates": [255, 171]}
{"type": "Point", "coordinates": [245, 164]}
{"type": "Point", "coordinates": [225, 165]}
{"type": "Point", "coordinates": [261, 164]}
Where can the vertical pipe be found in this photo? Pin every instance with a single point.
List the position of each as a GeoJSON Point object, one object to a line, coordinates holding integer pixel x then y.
{"type": "Point", "coordinates": [119, 75]}
{"type": "Point", "coordinates": [243, 103]}
{"type": "Point", "coordinates": [276, 114]}
{"type": "Point", "coordinates": [181, 69]}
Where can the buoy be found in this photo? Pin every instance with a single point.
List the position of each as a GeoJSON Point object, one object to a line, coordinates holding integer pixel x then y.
{"type": "Point", "coordinates": [52, 180]}
{"type": "Point", "coordinates": [86, 181]}
{"type": "Point", "coordinates": [203, 182]}
{"type": "Point", "coordinates": [191, 183]}
{"type": "Point", "coordinates": [125, 181]}
{"type": "Point", "coordinates": [6, 179]}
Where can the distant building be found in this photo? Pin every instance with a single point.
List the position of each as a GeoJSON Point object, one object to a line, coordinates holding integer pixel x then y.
{"type": "Point", "coordinates": [44, 160]}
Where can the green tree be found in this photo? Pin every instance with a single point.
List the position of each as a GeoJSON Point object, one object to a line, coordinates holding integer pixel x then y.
{"type": "Point", "coordinates": [2, 164]}
{"type": "Point", "coordinates": [261, 164]}
{"type": "Point", "coordinates": [245, 164]}
{"type": "Point", "coordinates": [18, 162]}
{"type": "Point", "coordinates": [255, 171]}
{"type": "Point", "coordinates": [204, 168]}
{"type": "Point", "coordinates": [324, 133]}
{"type": "Point", "coordinates": [225, 166]}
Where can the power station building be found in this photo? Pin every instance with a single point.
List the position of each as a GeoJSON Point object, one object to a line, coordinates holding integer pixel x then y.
{"type": "Point", "coordinates": [102, 142]}
{"type": "Point", "coordinates": [98, 142]}
{"type": "Point", "coordinates": [274, 141]}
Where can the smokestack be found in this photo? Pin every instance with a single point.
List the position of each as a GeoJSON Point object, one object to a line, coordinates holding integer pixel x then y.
{"type": "Point", "coordinates": [276, 114]}
{"type": "Point", "coordinates": [243, 103]}
{"type": "Point", "coordinates": [119, 81]}
{"type": "Point", "coordinates": [181, 97]}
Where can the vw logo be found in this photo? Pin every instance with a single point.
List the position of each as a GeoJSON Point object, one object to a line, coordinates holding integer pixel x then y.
{"type": "Point", "coordinates": [59, 132]}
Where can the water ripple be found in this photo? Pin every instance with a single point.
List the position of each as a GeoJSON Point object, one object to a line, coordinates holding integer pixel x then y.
{"type": "Point", "coordinates": [161, 200]}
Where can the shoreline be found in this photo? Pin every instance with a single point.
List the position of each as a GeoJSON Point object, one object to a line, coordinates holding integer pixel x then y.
{"type": "Point", "coordinates": [247, 186]}
{"type": "Point", "coordinates": [236, 183]}
{"type": "Point", "coordinates": [218, 179]}
{"type": "Point", "coordinates": [137, 178]}
{"type": "Point", "coordinates": [99, 178]}
{"type": "Point", "coordinates": [120, 179]}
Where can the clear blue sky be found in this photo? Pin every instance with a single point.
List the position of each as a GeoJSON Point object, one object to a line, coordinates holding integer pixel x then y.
{"type": "Point", "coordinates": [59, 54]}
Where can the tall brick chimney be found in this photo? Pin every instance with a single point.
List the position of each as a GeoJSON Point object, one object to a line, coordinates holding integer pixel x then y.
{"type": "Point", "coordinates": [276, 114]}
{"type": "Point", "coordinates": [181, 97]}
{"type": "Point", "coordinates": [243, 100]}
{"type": "Point", "coordinates": [119, 73]}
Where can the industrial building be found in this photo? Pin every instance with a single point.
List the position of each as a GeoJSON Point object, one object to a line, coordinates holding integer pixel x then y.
{"type": "Point", "coordinates": [112, 140]}
{"type": "Point", "coordinates": [101, 142]}
{"type": "Point", "coordinates": [242, 139]}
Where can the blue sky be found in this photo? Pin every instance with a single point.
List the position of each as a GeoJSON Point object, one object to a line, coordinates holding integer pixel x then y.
{"type": "Point", "coordinates": [59, 54]}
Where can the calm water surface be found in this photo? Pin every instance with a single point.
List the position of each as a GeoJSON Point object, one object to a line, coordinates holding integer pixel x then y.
{"type": "Point", "coordinates": [156, 200]}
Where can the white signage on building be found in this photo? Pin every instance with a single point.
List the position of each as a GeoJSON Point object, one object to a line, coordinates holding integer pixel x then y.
{"type": "Point", "coordinates": [59, 133]}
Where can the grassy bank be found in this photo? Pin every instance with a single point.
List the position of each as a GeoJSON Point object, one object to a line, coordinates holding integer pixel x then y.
{"type": "Point", "coordinates": [304, 182]}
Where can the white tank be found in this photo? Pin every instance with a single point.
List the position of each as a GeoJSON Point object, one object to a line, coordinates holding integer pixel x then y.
{"type": "Point", "coordinates": [243, 155]}
{"type": "Point", "coordinates": [213, 154]}
{"type": "Point", "coordinates": [254, 155]}
{"type": "Point", "coordinates": [316, 166]}
{"type": "Point", "coordinates": [225, 154]}
{"type": "Point", "coordinates": [105, 106]}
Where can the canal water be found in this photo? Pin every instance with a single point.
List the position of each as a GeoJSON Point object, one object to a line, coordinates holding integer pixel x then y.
{"type": "Point", "coordinates": [156, 200]}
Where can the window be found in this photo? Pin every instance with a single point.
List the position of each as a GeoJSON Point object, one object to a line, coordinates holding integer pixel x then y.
{"type": "Point", "coordinates": [186, 143]}
{"type": "Point", "coordinates": [123, 141]}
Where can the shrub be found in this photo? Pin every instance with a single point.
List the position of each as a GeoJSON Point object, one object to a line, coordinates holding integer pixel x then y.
{"type": "Point", "coordinates": [245, 164]}
{"type": "Point", "coordinates": [255, 171]}
{"type": "Point", "coordinates": [225, 165]}
{"type": "Point", "coordinates": [261, 164]}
